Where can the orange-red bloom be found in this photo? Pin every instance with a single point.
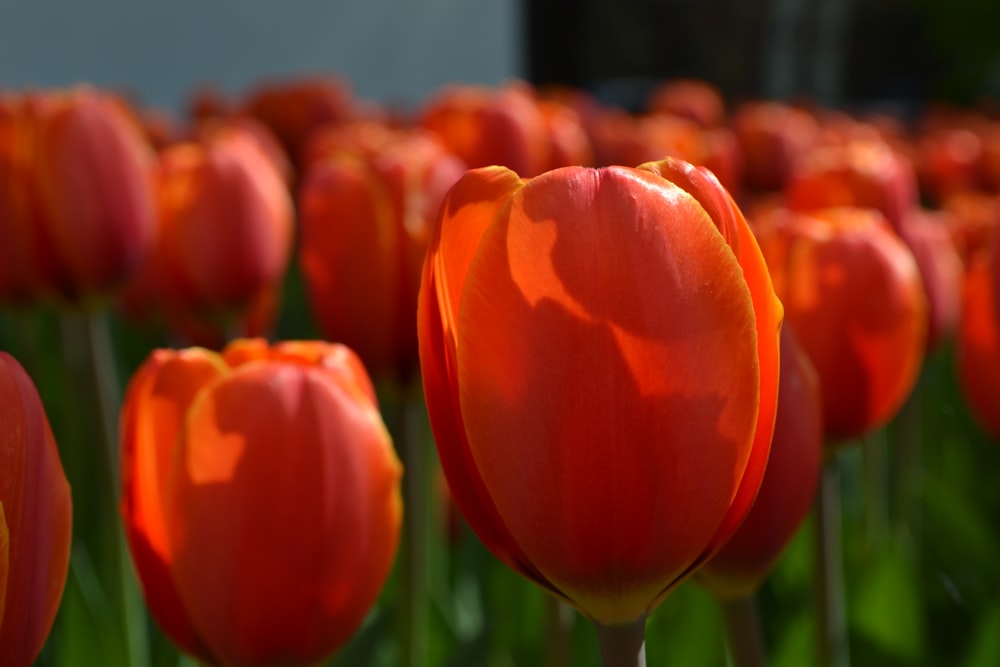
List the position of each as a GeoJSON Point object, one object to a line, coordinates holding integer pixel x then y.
{"type": "Point", "coordinates": [599, 351]}
{"type": "Point", "coordinates": [260, 497]}
{"type": "Point", "coordinates": [978, 346]}
{"type": "Point", "coordinates": [225, 231]}
{"type": "Point", "coordinates": [853, 294]}
{"type": "Point", "coordinates": [75, 193]}
{"type": "Point", "coordinates": [366, 213]}
{"type": "Point", "coordinates": [35, 519]}
{"type": "Point", "coordinates": [789, 487]}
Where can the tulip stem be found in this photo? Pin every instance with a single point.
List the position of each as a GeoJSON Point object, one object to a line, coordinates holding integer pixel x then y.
{"type": "Point", "coordinates": [559, 619]}
{"type": "Point", "coordinates": [743, 632]}
{"type": "Point", "coordinates": [622, 645]}
{"type": "Point", "coordinates": [409, 445]}
{"type": "Point", "coordinates": [831, 612]}
{"type": "Point", "coordinates": [99, 373]}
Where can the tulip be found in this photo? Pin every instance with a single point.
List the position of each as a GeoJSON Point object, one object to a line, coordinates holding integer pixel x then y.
{"type": "Point", "coordinates": [365, 222]}
{"type": "Point", "coordinates": [853, 293]}
{"type": "Point", "coordinates": [82, 211]}
{"type": "Point", "coordinates": [35, 519]}
{"type": "Point", "coordinates": [260, 498]}
{"type": "Point", "coordinates": [789, 487]}
{"type": "Point", "coordinates": [772, 136]}
{"type": "Point", "coordinates": [978, 346]}
{"type": "Point", "coordinates": [491, 126]}
{"type": "Point", "coordinates": [225, 233]}
{"type": "Point", "coordinates": [862, 174]}
{"type": "Point", "coordinates": [599, 350]}
{"type": "Point", "coordinates": [697, 100]}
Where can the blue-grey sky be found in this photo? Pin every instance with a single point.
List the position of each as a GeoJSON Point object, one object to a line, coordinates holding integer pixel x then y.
{"type": "Point", "coordinates": [389, 50]}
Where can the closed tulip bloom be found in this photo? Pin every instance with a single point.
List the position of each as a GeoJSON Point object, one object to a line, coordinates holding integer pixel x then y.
{"type": "Point", "coordinates": [599, 350]}
{"type": "Point", "coordinates": [35, 519]}
{"type": "Point", "coordinates": [978, 346]}
{"type": "Point", "coordinates": [225, 221]}
{"type": "Point", "coordinates": [865, 173]}
{"type": "Point", "coordinates": [853, 294]}
{"type": "Point", "coordinates": [366, 218]}
{"type": "Point", "coordinates": [786, 495]}
{"type": "Point", "coordinates": [260, 498]}
{"type": "Point", "coordinates": [92, 176]}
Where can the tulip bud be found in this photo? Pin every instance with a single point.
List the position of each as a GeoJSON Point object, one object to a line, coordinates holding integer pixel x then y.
{"type": "Point", "coordinates": [35, 519]}
{"type": "Point", "coordinates": [260, 497]}
{"type": "Point", "coordinates": [853, 294]}
{"type": "Point", "coordinates": [599, 350]}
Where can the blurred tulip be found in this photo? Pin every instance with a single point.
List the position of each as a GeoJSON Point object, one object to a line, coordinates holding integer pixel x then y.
{"type": "Point", "coordinates": [365, 222]}
{"type": "Point", "coordinates": [78, 210]}
{"type": "Point", "coordinates": [852, 293]}
{"type": "Point", "coordinates": [973, 219]}
{"type": "Point", "coordinates": [859, 174]}
{"type": "Point", "coordinates": [694, 99]}
{"type": "Point", "coordinates": [789, 487]}
{"type": "Point", "coordinates": [294, 108]}
{"type": "Point", "coordinates": [260, 497]}
{"type": "Point", "coordinates": [772, 136]}
{"type": "Point", "coordinates": [599, 351]}
{"type": "Point", "coordinates": [491, 126]}
{"type": "Point", "coordinates": [929, 239]}
{"type": "Point", "coordinates": [35, 519]}
{"type": "Point", "coordinates": [978, 346]}
{"type": "Point", "coordinates": [948, 161]}
{"type": "Point", "coordinates": [226, 226]}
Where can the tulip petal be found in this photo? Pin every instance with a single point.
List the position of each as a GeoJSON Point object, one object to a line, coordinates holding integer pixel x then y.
{"type": "Point", "coordinates": [4, 561]}
{"type": "Point", "coordinates": [608, 378]}
{"type": "Point", "coordinates": [38, 516]}
{"type": "Point", "coordinates": [467, 211]}
{"type": "Point", "coordinates": [156, 401]}
{"type": "Point", "coordinates": [277, 466]}
{"type": "Point", "coordinates": [703, 186]}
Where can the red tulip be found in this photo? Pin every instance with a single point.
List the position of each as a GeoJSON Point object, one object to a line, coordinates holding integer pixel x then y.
{"type": "Point", "coordinates": [491, 126]}
{"type": "Point", "coordinates": [78, 212]}
{"type": "Point", "coordinates": [860, 174]}
{"type": "Point", "coordinates": [225, 232]}
{"type": "Point", "coordinates": [978, 346]}
{"type": "Point", "coordinates": [365, 222]}
{"type": "Point", "coordinates": [35, 519]}
{"type": "Point", "coordinates": [260, 497]}
{"type": "Point", "coordinates": [772, 136]}
{"type": "Point", "coordinates": [853, 294]}
{"type": "Point", "coordinates": [599, 350]}
{"type": "Point", "coordinates": [789, 487]}
{"type": "Point", "coordinates": [696, 100]}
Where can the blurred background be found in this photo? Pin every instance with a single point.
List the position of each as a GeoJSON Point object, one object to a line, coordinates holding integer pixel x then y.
{"type": "Point", "coordinates": [837, 51]}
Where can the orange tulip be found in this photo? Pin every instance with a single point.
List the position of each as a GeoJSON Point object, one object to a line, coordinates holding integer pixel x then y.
{"type": "Point", "coordinates": [79, 210]}
{"type": "Point", "coordinates": [978, 346]}
{"type": "Point", "coordinates": [853, 294]}
{"type": "Point", "coordinates": [225, 232]}
{"type": "Point", "coordinates": [486, 126]}
{"type": "Point", "coordinates": [772, 136]}
{"type": "Point", "coordinates": [35, 519]}
{"type": "Point", "coordinates": [365, 221]}
{"type": "Point", "coordinates": [599, 350]}
{"type": "Point", "coordinates": [697, 100]}
{"type": "Point", "coordinates": [861, 173]}
{"type": "Point", "coordinates": [789, 487]}
{"type": "Point", "coordinates": [260, 497]}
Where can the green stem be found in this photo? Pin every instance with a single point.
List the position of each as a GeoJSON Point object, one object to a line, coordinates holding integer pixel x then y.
{"type": "Point", "coordinates": [875, 482]}
{"type": "Point", "coordinates": [743, 632]}
{"type": "Point", "coordinates": [559, 619]}
{"type": "Point", "coordinates": [622, 645]}
{"type": "Point", "coordinates": [90, 351]}
{"type": "Point", "coordinates": [414, 589]}
{"type": "Point", "coordinates": [830, 596]}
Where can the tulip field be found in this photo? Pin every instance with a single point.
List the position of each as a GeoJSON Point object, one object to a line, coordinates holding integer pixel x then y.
{"type": "Point", "coordinates": [512, 377]}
